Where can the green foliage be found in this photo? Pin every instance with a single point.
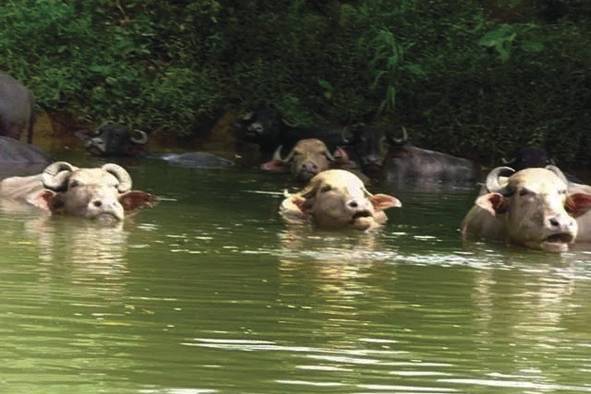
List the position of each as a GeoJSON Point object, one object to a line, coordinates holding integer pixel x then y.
{"type": "Point", "coordinates": [471, 78]}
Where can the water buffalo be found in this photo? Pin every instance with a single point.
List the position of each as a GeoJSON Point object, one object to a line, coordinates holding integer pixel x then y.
{"type": "Point", "coordinates": [336, 199]}
{"type": "Point", "coordinates": [406, 163]}
{"type": "Point", "coordinates": [15, 152]}
{"type": "Point", "coordinates": [203, 160]}
{"type": "Point", "coordinates": [533, 157]}
{"type": "Point", "coordinates": [528, 157]}
{"type": "Point", "coordinates": [367, 146]}
{"type": "Point", "coordinates": [16, 108]}
{"type": "Point", "coordinates": [307, 158]}
{"type": "Point", "coordinates": [96, 193]}
{"type": "Point", "coordinates": [265, 128]}
{"type": "Point", "coordinates": [532, 207]}
{"type": "Point", "coordinates": [114, 140]}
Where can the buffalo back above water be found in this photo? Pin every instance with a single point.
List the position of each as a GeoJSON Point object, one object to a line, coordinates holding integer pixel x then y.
{"type": "Point", "coordinates": [16, 108]}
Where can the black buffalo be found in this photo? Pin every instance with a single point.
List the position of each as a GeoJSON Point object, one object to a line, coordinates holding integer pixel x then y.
{"type": "Point", "coordinates": [364, 146]}
{"type": "Point", "coordinates": [265, 128]}
{"type": "Point", "coordinates": [16, 108]}
{"type": "Point", "coordinates": [529, 157]}
{"type": "Point", "coordinates": [114, 140]}
{"type": "Point", "coordinates": [406, 163]}
{"type": "Point", "coordinates": [18, 158]}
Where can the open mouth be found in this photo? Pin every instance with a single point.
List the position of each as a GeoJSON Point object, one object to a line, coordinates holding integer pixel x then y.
{"type": "Point", "coordinates": [361, 214]}
{"type": "Point", "coordinates": [561, 238]}
{"type": "Point", "coordinates": [557, 242]}
{"type": "Point", "coordinates": [107, 218]}
{"type": "Point", "coordinates": [305, 176]}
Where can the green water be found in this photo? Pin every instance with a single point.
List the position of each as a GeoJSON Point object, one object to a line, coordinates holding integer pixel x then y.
{"type": "Point", "coordinates": [210, 293]}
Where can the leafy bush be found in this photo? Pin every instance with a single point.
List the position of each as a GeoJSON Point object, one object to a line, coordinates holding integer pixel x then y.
{"type": "Point", "coordinates": [472, 78]}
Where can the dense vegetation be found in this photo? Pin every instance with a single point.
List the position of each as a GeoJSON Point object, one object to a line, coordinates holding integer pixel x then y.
{"type": "Point", "coordinates": [475, 78]}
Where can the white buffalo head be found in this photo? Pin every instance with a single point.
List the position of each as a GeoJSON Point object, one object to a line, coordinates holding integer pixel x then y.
{"type": "Point", "coordinates": [93, 193]}
{"type": "Point", "coordinates": [534, 206]}
{"type": "Point", "coordinates": [338, 199]}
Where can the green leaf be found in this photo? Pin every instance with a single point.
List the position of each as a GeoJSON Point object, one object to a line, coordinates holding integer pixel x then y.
{"type": "Point", "coordinates": [532, 46]}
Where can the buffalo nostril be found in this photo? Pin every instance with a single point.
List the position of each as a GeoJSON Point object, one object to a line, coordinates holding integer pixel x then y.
{"type": "Point", "coordinates": [554, 222]}
{"type": "Point", "coordinates": [97, 203]}
{"type": "Point", "coordinates": [353, 204]}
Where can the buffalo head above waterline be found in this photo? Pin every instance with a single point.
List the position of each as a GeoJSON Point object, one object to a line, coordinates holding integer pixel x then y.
{"type": "Point", "coordinates": [93, 193]}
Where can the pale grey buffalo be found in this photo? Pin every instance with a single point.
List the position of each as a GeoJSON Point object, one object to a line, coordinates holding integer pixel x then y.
{"type": "Point", "coordinates": [337, 199]}
{"type": "Point", "coordinates": [96, 193]}
{"type": "Point", "coordinates": [534, 207]}
{"type": "Point", "coordinates": [16, 108]}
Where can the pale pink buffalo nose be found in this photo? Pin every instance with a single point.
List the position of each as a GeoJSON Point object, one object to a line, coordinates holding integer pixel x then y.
{"type": "Point", "coordinates": [310, 167]}
{"type": "Point", "coordinates": [560, 222]}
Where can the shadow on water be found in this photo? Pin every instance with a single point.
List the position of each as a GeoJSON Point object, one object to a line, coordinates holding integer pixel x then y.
{"type": "Point", "coordinates": [210, 292]}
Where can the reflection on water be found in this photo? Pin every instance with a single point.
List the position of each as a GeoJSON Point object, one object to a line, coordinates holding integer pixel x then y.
{"type": "Point", "coordinates": [210, 292]}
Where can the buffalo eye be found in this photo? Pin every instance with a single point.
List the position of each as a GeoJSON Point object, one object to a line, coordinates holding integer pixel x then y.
{"type": "Point", "coordinates": [525, 192]}
{"type": "Point", "coordinates": [74, 184]}
{"type": "Point", "coordinates": [325, 189]}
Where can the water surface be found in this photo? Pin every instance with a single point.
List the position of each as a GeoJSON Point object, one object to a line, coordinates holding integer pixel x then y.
{"type": "Point", "coordinates": [211, 293]}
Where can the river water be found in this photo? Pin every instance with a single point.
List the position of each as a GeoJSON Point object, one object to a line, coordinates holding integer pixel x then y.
{"type": "Point", "coordinates": [210, 293]}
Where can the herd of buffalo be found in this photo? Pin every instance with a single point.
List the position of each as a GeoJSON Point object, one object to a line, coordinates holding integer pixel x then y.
{"type": "Point", "coordinates": [528, 201]}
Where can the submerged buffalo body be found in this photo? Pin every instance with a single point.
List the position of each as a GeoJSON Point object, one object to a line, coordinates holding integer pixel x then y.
{"type": "Point", "coordinates": [16, 108]}
{"type": "Point", "coordinates": [203, 160]}
{"type": "Point", "coordinates": [94, 193]}
{"type": "Point", "coordinates": [407, 163]}
{"type": "Point", "coordinates": [114, 140]}
{"type": "Point", "coordinates": [337, 199]}
{"type": "Point", "coordinates": [15, 152]}
{"type": "Point", "coordinates": [307, 158]}
{"type": "Point", "coordinates": [533, 208]}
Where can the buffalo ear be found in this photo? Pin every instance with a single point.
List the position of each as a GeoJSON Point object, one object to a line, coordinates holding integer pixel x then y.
{"type": "Point", "coordinates": [136, 199]}
{"type": "Point", "coordinates": [304, 204]}
{"type": "Point", "coordinates": [381, 202]}
{"type": "Point", "coordinates": [578, 204]}
{"type": "Point", "coordinates": [46, 200]}
{"type": "Point", "coordinates": [274, 166]}
{"type": "Point", "coordinates": [495, 203]}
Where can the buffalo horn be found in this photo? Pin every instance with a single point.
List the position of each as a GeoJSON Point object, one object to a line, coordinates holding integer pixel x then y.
{"type": "Point", "coordinates": [121, 174]}
{"type": "Point", "coordinates": [558, 173]}
{"type": "Point", "coordinates": [348, 134]}
{"type": "Point", "coordinates": [55, 175]}
{"type": "Point", "coordinates": [139, 137]}
{"type": "Point", "coordinates": [288, 123]}
{"type": "Point", "coordinates": [366, 192]}
{"type": "Point", "coordinates": [330, 156]}
{"type": "Point", "coordinates": [493, 183]}
{"type": "Point", "coordinates": [277, 153]}
{"type": "Point", "coordinates": [404, 139]}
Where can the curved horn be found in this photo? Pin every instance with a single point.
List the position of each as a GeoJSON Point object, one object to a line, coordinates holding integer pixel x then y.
{"type": "Point", "coordinates": [329, 155]}
{"type": "Point", "coordinates": [121, 174]}
{"type": "Point", "coordinates": [366, 192]}
{"type": "Point", "coordinates": [492, 180]}
{"type": "Point", "coordinates": [558, 173]}
{"type": "Point", "coordinates": [139, 137]}
{"type": "Point", "coordinates": [277, 154]}
{"type": "Point", "coordinates": [55, 175]}
{"type": "Point", "coordinates": [345, 135]}
{"type": "Point", "coordinates": [404, 138]}
{"type": "Point", "coordinates": [289, 124]}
